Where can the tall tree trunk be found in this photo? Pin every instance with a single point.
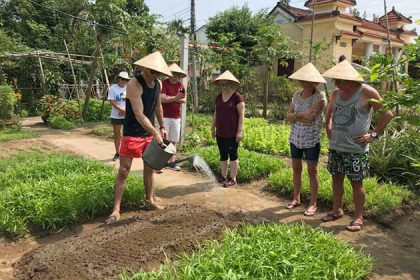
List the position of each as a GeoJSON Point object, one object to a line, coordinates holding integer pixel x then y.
{"type": "Point", "coordinates": [106, 87]}
{"type": "Point", "coordinates": [265, 109]}
{"type": "Point", "coordinates": [91, 78]}
{"type": "Point", "coordinates": [1, 75]}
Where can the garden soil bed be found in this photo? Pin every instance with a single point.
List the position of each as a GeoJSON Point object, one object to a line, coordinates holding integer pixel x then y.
{"type": "Point", "coordinates": [192, 215]}
{"type": "Point", "coordinates": [145, 240]}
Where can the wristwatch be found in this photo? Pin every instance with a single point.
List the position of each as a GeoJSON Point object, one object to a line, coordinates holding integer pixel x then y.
{"type": "Point", "coordinates": [374, 135]}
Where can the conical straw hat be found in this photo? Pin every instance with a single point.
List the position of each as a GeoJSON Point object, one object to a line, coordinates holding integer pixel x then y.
{"type": "Point", "coordinates": [227, 76]}
{"type": "Point", "coordinates": [176, 69]}
{"type": "Point", "coordinates": [343, 71]}
{"type": "Point", "coordinates": [155, 61]}
{"type": "Point", "coordinates": [308, 73]}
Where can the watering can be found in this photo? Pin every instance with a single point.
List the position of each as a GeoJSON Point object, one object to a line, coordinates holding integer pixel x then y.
{"type": "Point", "coordinates": [157, 156]}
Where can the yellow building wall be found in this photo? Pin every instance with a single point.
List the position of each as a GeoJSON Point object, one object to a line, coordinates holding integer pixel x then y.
{"type": "Point", "coordinates": [341, 50]}
{"type": "Point", "coordinates": [345, 26]}
{"type": "Point", "coordinates": [292, 31]}
{"type": "Point", "coordinates": [323, 8]}
{"type": "Point", "coordinates": [324, 31]}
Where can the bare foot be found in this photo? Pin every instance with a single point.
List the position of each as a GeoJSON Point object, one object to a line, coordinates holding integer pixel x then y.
{"type": "Point", "coordinates": [113, 218]}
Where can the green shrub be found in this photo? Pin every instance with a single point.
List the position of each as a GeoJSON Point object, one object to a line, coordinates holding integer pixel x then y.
{"type": "Point", "coordinates": [14, 134]}
{"type": "Point", "coordinates": [395, 157]}
{"type": "Point", "coordinates": [271, 139]}
{"type": "Point", "coordinates": [23, 113]}
{"type": "Point", "coordinates": [53, 106]}
{"type": "Point", "coordinates": [380, 198]}
{"type": "Point", "coordinates": [60, 122]}
{"type": "Point", "coordinates": [268, 251]}
{"type": "Point", "coordinates": [50, 191]}
{"type": "Point", "coordinates": [252, 165]}
{"type": "Point", "coordinates": [279, 111]}
{"type": "Point", "coordinates": [94, 110]}
{"type": "Point", "coordinates": [7, 103]}
{"type": "Point", "coordinates": [103, 131]}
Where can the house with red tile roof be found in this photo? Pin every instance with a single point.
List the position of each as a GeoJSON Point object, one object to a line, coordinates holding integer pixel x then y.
{"type": "Point", "coordinates": [342, 32]}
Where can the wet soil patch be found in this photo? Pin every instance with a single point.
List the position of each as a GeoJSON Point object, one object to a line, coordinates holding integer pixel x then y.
{"type": "Point", "coordinates": [142, 241]}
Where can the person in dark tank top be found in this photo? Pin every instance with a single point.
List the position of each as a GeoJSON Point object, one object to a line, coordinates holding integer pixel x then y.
{"type": "Point", "coordinates": [348, 121]}
{"type": "Point", "coordinates": [142, 105]}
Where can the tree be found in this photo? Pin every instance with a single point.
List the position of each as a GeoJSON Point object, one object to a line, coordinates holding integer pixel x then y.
{"type": "Point", "coordinates": [245, 40]}
{"type": "Point", "coordinates": [272, 43]}
{"type": "Point", "coordinates": [239, 25]}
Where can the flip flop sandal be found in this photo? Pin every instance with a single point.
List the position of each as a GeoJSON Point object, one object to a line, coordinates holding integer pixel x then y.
{"type": "Point", "coordinates": [292, 205]}
{"type": "Point", "coordinates": [310, 213]}
{"type": "Point", "coordinates": [221, 179]}
{"type": "Point", "coordinates": [113, 218]}
{"type": "Point", "coordinates": [331, 217]}
{"type": "Point", "coordinates": [354, 226]}
{"type": "Point", "coordinates": [229, 183]}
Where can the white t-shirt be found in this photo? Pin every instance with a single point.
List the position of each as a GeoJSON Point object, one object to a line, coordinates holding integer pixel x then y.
{"type": "Point", "coordinates": [117, 94]}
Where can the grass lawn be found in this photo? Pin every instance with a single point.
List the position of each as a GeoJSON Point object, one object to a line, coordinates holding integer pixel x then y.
{"type": "Point", "coordinates": [14, 134]}
{"type": "Point", "coordinates": [49, 191]}
{"type": "Point", "coordinates": [381, 198]}
{"type": "Point", "coordinates": [268, 251]}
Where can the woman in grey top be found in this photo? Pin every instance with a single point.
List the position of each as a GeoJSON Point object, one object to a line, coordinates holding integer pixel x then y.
{"type": "Point", "coordinates": [305, 113]}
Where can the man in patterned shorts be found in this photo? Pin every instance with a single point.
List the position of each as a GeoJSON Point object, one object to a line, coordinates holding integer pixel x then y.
{"type": "Point", "coordinates": [348, 121]}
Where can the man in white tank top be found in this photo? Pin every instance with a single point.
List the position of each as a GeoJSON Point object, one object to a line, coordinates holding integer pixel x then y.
{"type": "Point", "coordinates": [348, 120]}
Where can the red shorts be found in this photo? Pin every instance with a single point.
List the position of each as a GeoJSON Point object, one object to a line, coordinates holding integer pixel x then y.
{"type": "Point", "coordinates": [133, 147]}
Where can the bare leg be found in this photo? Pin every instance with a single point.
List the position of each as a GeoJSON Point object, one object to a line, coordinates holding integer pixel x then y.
{"type": "Point", "coordinates": [224, 168]}
{"type": "Point", "coordinates": [148, 181]}
{"type": "Point", "coordinates": [338, 192]}
{"type": "Point", "coordinates": [359, 195]}
{"type": "Point", "coordinates": [117, 137]}
{"type": "Point", "coordinates": [297, 180]}
{"type": "Point", "coordinates": [313, 183]}
{"type": "Point", "coordinates": [234, 167]}
{"type": "Point", "coordinates": [120, 181]}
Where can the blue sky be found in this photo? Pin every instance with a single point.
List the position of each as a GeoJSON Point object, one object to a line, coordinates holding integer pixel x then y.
{"type": "Point", "coordinates": [171, 9]}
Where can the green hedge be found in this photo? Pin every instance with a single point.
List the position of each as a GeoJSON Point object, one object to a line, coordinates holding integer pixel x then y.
{"type": "Point", "coordinates": [259, 135]}
{"type": "Point", "coordinates": [252, 165]}
{"type": "Point", "coordinates": [268, 251]}
{"type": "Point", "coordinates": [50, 191]}
{"type": "Point", "coordinates": [380, 198]}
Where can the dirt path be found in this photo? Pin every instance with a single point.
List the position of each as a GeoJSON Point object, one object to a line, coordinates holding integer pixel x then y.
{"type": "Point", "coordinates": [396, 251]}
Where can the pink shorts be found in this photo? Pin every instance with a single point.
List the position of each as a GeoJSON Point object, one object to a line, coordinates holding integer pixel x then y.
{"type": "Point", "coordinates": [133, 147]}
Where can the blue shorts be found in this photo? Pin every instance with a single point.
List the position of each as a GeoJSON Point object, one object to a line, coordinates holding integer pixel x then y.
{"type": "Point", "coordinates": [311, 154]}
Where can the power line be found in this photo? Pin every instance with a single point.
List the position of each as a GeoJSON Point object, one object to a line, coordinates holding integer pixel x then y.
{"type": "Point", "coordinates": [180, 12]}
{"type": "Point", "coordinates": [79, 18]}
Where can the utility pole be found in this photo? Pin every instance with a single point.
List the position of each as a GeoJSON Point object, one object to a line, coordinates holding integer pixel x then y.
{"type": "Point", "coordinates": [1, 75]}
{"type": "Point", "coordinates": [312, 31]}
{"type": "Point", "coordinates": [42, 72]}
{"type": "Point", "coordinates": [184, 66]}
{"type": "Point", "coordinates": [194, 66]}
{"type": "Point", "coordinates": [394, 76]}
